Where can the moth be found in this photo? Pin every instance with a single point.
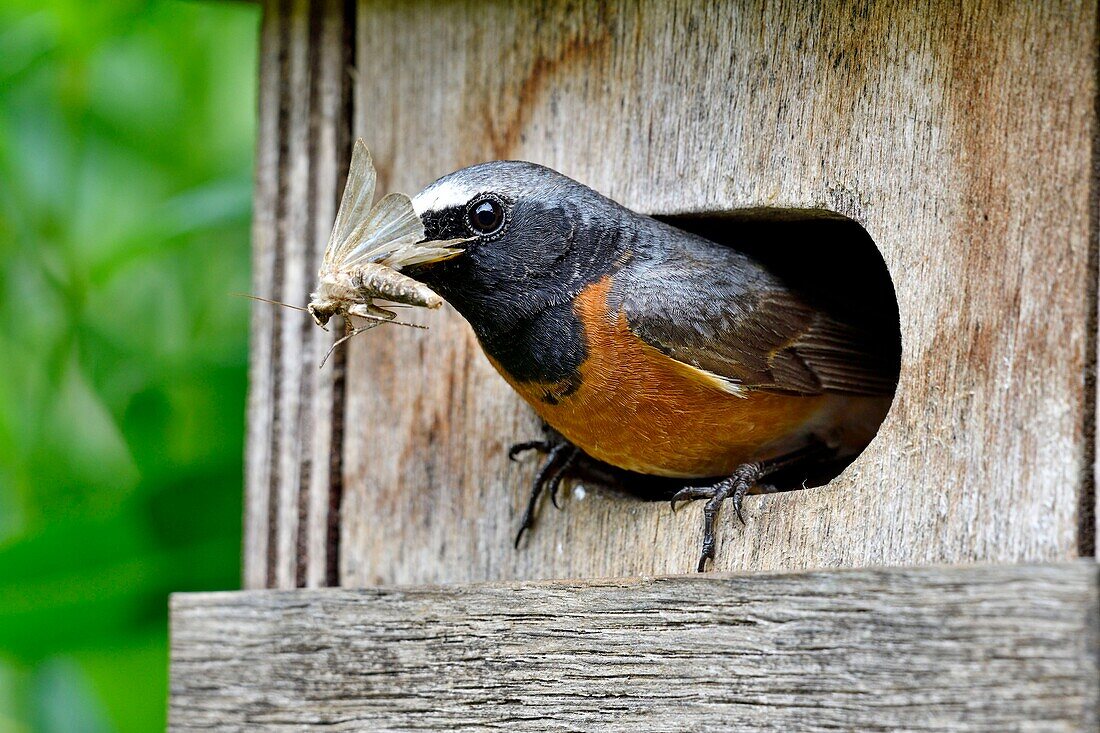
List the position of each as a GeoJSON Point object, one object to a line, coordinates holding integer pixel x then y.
{"type": "Point", "coordinates": [367, 248]}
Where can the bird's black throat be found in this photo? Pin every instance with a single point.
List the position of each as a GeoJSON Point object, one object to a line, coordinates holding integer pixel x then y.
{"type": "Point", "coordinates": [536, 338]}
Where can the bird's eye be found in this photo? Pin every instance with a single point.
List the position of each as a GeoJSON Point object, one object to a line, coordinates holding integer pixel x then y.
{"type": "Point", "coordinates": [485, 215]}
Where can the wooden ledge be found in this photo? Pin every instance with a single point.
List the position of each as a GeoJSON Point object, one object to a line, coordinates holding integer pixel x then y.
{"type": "Point", "coordinates": [962, 648]}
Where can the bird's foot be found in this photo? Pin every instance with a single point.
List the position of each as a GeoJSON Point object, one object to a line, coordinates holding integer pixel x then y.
{"type": "Point", "coordinates": [560, 455]}
{"type": "Point", "coordinates": [744, 478]}
{"type": "Point", "coordinates": [545, 447]}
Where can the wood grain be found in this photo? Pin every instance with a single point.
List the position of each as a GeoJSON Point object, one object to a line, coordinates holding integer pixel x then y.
{"type": "Point", "coordinates": [293, 469]}
{"type": "Point", "coordinates": [933, 649]}
{"type": "Point", "coordinates": [265, 246]}
{"type": "Point", "coordinates": [961, 136]}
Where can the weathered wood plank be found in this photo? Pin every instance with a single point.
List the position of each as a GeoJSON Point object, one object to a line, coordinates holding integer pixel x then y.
{"type": "Point", "coordinates": [265, 253]}
{"type": "Point", "coordinates": [330, 137]}
{"type": "Point", "coordinates": [977, 648]}
{"type": "Point", "coordinates": [963, 149]}
{"type": "Point", "coordinates": [295, 410]}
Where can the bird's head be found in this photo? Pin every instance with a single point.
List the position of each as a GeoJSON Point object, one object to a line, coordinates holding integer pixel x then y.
{"type": "Point", "coordinates": [536, 238]}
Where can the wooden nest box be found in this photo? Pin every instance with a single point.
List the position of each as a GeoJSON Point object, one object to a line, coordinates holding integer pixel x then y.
{"type": "Point", "coordinates": [962, 138]}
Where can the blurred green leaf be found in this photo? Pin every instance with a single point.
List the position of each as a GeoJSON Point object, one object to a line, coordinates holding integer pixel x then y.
{"type": "Point", "coordinates": [126, 140]}
{"type": "Point", "coordinates": [63, 701]}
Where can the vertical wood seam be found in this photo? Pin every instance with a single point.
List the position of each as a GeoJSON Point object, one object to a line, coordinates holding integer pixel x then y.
{"type": "Point", "coordinates": [284, 10]}
{"type": "Point", "coordinates": [336, 462]}
{"type": "Point", "coordinates": [260, 406]}
{"type": "Point", "coordinates": [1087, 498]}
{"type": "Point", "coordinates": [305, 466]}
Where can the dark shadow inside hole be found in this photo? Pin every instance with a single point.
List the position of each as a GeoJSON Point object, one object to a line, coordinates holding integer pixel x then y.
{"type": "Point", "coordinates": [832, 262]}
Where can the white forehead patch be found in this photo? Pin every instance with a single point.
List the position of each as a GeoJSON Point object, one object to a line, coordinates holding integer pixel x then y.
{"type": "Point", "coordinates": [441, 195]}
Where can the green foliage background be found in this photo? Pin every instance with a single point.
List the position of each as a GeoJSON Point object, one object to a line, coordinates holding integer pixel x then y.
{"type": "Point", "coordinates": [126, 143]}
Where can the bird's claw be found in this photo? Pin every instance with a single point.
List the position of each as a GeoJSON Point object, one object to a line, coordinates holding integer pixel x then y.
{"type": "Point", "coordinates": [734, 487]}
{"type": "Point", "coordinates": [691, 493]}
{"type": "Point", "coordinates": [542, 446]}
{"type": "Point", "coordinates": [738, 497]}
{"type": "Point", "coordinates": [555, 484]}
{"type": "Point", "coordinates": [559, 457]}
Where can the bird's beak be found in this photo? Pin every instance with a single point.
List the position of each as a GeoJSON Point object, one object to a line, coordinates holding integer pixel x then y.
{"type": "Point", "coordinates": [431, 251]}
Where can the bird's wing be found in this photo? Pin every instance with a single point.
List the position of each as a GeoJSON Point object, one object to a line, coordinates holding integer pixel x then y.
{"type": "Point", "coordinates": [715, 310]}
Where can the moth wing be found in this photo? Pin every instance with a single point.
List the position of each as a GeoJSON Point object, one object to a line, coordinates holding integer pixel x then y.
{"type": "Point", "coordinates": [354, 204]}
{"type": "Point", "coordinates": [391, 226]}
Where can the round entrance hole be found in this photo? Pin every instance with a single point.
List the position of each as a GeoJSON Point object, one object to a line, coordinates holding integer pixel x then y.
{"type": "Point", "coordinates": [834, 265]}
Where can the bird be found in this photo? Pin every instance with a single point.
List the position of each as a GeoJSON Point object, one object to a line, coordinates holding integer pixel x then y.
{"type": "Point", "coordinates": [644, 346]}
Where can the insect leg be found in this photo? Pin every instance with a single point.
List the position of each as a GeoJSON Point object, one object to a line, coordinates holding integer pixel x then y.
{"type": "Point", "coordinates": [371, 312]}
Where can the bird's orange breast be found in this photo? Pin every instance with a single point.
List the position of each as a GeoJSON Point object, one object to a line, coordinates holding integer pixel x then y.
{"type": "Point", "coordinates": [636, 408]}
